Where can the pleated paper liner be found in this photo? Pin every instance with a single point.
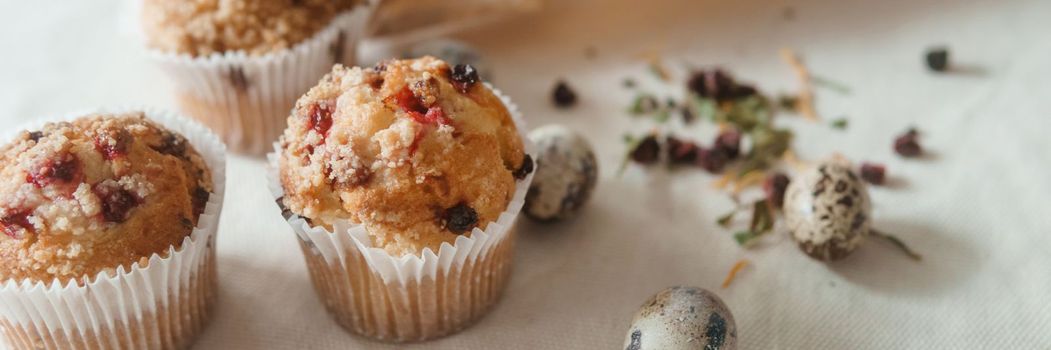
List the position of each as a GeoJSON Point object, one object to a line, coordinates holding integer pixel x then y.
{"type": "Point", "coordinates": [409, 298]}
{"type": "Point", "coordinates": [163, 305]}
{"type": "Point", "coordinates": [246, 99]}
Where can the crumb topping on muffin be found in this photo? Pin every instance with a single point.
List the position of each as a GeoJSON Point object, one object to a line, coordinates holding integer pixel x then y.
{"type": "Point", "coordinates": [203, 27]}
{"type": "Point", "coordinates": [103, 191]}
{"type": "Point", "coordinates": [415, 150]}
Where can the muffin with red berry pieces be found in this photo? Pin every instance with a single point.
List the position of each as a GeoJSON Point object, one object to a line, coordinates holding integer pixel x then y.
{"type": "Point", "coordinates": [409, 158]}
{"type": "Point", "coordinates": [97, 199]}
{"type": "Point", "coordinates": [238, 66]}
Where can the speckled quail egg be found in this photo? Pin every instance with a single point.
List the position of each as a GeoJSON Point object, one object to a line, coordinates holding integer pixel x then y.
{"type": "Point", "coordinates": [566, 174]}
{"type": "Point", "coordinates": [827, 211]}
{"type": "Point", "coordinates": [682, 318]}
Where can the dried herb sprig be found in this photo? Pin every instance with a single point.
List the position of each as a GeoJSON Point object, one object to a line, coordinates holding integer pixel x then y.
{"type": "Point", "coordinates": [763, 217]}
{"type": "Point", "coordinates": [897, 242]}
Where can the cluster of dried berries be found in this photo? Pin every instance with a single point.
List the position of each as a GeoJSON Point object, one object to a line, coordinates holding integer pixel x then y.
{"type": "Point", "coordinates": [725, 148]}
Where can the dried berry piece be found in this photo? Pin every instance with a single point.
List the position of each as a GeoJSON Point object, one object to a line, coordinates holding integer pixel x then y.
{"type": "Point", "coordinates": [681, 151]}
{"type": "Point", "coordinates": [199, 199]}
{"type": "Point", "coordinates": [172, 144]}
{"type": "Point", "coordinates": [563, 96]}
{"type": "Point", "coordinates": [647, 151]}
{"type": "Point", "coordinates": [35, 135]}
{"type": "Point", "coordinates": [460, 218]}
{"type": "Point", "coordinates": [116, 202]}
{"type": "Point", "coordinates": [464, 76]}
{"type": "Point", "coordinates": [729, 143]}
{"type": "Point", "coordinates": [434, 116]}
{"type": "Point", "coordinates": [320, 119]}
{"type": "Point", "coordinates": [938, 59]}
{"type": "Point", "coordinates": [774, 187]}
{"type": "Point", "coordinates": [407, 101]}
{"type": "Point", "coordinates": [718, 85]}
{"type": "Point", "coordinates": [62, 169]}
{"type": "Point", "coordinates": [113, 143]}
{"type": "Point", "coordinates": [712, 160]}
{"type": "Point", "coordinates": [374, 79]}
{"type": "Point", "coordinates": [16, 225]}
{"type": "Point", "coordinates": [525, 169]}
{"type": "Point", "coordinates": [873, 173]}
{"type": "Point", "coordinates": [907, 145]}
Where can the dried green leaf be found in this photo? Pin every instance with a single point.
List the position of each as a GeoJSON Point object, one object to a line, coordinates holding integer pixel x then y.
{"type": "Point", "coordinates": [725, 219]}
{"type": "Point", "coordinates": [840, 123]}
{"type": "Point", "coordinates": [830, 84]}
{"type": "Point", "coordinates": [705, 108]}
{"type": "Point", "coordinates": [788, 102]}
{"type": "Point", "coordinates": [768, 145]}
{"type": "Point", "coordinates": [762, 217]}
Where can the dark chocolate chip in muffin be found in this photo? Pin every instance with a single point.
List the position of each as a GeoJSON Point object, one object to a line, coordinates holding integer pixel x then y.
{"type": "Point", "coordinates": [464, 76]}
{"type": "Point", "coordinates": [525, 169]}
{"type": "Point", "coordinates": [460, 218]}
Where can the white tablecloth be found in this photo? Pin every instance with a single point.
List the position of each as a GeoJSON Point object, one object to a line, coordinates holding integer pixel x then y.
{"type": "Point", "coordinates": [977, 209]}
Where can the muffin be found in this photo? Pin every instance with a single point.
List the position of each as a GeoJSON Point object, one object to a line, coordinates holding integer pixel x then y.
{"type": "Point", "coordinates": [239, 65]}
{"type": "Point", "coordinates": [412, 160]}
{"type": "Point", "coordinates": [103, 201]}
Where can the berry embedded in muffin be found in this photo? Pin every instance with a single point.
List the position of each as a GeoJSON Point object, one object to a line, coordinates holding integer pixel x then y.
{"type": "Point", "coordinates": [415, 150]}
{"type": "Point", "coordinates": [102, 191]}
{"type": "Point", "coordinates": [203, 27]}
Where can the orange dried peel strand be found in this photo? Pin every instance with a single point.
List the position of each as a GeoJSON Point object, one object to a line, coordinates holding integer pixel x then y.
{"type": "Point", "coordinates": [733, 272]}
{"type": "Point", "coordinates": [806, 93]}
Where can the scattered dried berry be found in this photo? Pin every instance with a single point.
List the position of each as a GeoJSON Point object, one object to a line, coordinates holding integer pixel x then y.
{"type": "Point", "coordinates": [525, 169]}
{"type": "Point", "coordinates": [35, 135]}
{"type": "Point", "coordinates": [113, 143]}
{"type": "Point", "coordinates": [564, 96]}
{"type": "Point", "coordinates": [647, 151]}
{"type": "Point", "coordinates": [464, 76]}
{"type": "Point", "coordinates": [320, 119]}
{"type": "Point", "coordinates": [460, 218]}
{"type": "Point", "coordinates": [907, 145]}
{"type": "Point", "coordinates": [116, 202]}
{"type": "Point", "coordinates": [712, 160]}
{"type": "Point", "coordinates": [729, 143]}
{"type": "Point", "coordinates": [62, 169]}
{"type": "Point", "coordinates": [16, 225]}
{"type": "Point", "coordinates": [774, 187]}
{"type": "Point", "coordinates": [873, 173]}
{"type": "Point", "coordinates": [681, 151]}
{"type": "Point", "coordinates": [716, 84]}
{"type": "Point", "coordinates": [938, 59]}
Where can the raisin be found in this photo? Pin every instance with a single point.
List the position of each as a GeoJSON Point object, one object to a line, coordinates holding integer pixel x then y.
{"type": "Point", "coordinates": [320, 119]}
{"type": "Point", "coordinates": [116, 202]}
{"type": "Point", "coordinates": [171, 144]}
{"type": "Point", "coordinates": [873, 173]}
{"type": "Point", "coordinates": [938, 59]}
{"type": "Point", "coordinates": [774, 187]}
{"type": "Point", "coordinates": [16, 225]}
{"type": "Point", "coordinates": [199, 199]}
{"type": "Point", "coordinates": [525, 169]}
{"type": "Point", "coordinates": [729, 143]}
{"type": "Point", "coordinates": [646, 151]}
{"type": "Point", "coordinates": [460, 218]}
{"type": "Point", "coordinates": [681, 151]}
{"type": "Point", "coordinates": [464, 76]}
{"type": "Point", "coordinates": [35, 136]}
{"type": "Point", "coordinates": [563, 96]}
{"type": "Point", "coordinates": [113, 144]}
{"type": "Point", "coordinates": [712, 160]}
{"type": "Point", "coordinates": [907, 145]}
{"type": "Point", "coordinates": [63, 169]}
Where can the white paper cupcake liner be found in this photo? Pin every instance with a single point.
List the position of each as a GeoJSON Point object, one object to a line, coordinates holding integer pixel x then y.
{"type": "Point", "coordinates": [409, 298]}
{"type": "Point", "coordinates": [244, 98]}
{"type": "Point", "coordinates": [163, 305]}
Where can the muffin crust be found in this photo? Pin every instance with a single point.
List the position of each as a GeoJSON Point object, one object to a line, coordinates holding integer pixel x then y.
{"type": "Point", "coordinates": [81, 197]}
{"type": "Point", "coordinates": [415, 150]}
{"type": "Point", "coordinates": [203, 27]}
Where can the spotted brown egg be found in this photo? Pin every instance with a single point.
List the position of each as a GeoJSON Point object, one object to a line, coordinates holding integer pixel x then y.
{"type": "Point", "coordinates": [827, 210]}
{"type": "Point", "coordinates": [566, 174]}
{"type": "Point", "coordinates": [682, 318]}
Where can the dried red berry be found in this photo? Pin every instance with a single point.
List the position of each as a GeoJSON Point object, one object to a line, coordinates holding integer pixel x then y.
{"type": "Point", "coordinates": [729, 143]}
{"type": "Point", "coordinates": [907, 145]}
{"type": "Point", "coordinates": [460, 218]}
{"type": "Point", "coordinates": [525, 169]}
{"type": "Point", "coordinates": [464, 76]}
{"type": "Point", "coordinates": [407, 101]}
{"type": "Point", "coordinates": [563, 96]}
{"type": "Point", "coordinates": [647, 151]}
{"type": "Point", "coordinates": [873, 173]}
{"type": "Point", "coordinates": [716, 84]}
{"type": "Point", "coordinates": [434, 116]}
{"type": "Point", "coordinates": [774, 187]}
{"type": "Point", "coordinates": [320, 119]}
{"type": "Point", "coordinates": [116, 202]}
{"type": "Point", "coordinates": [711, 159]}
{"type": "Point", "coordinates": [16, 225]}
{"type": "Point", "coordinates": [113, 143]}
{"type": "Point", "coordinates": [63, 169]}
{"type": "Point", "coordinates": [681, 151]}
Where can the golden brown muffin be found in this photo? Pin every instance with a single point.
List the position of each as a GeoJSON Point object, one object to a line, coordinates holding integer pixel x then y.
{"type": "Point", "coordinates": [103, 191]}
{"type": "Point", "coordinates": [203, 27]}
{"type": "Point", "coordinates": [415, 150]}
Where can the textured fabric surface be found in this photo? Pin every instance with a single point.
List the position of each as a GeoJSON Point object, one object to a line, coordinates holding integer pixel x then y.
{"type": "Point", "coordinates": [977, 208]}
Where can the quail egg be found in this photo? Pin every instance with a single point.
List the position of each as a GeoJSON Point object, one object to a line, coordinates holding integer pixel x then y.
{"type": "Point", "coordinates": [566, 174]}
{"type": "Point", "coordinates": [682, 318]}
{"type": "Point", "coordinates": [827, 210]}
